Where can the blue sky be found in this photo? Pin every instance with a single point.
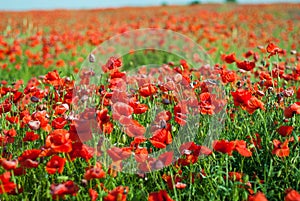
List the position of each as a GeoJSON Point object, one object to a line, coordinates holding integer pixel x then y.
{"type": "Point", "coordinates": [78, 4]}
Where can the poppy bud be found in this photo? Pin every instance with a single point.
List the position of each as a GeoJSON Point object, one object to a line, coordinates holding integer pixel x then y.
{"type": "Point", "coordinates": [92, 58]}
{"type": "Point", "coordinates": [34, 125]}
{"type": "Point", "coordinates": [34, 99]}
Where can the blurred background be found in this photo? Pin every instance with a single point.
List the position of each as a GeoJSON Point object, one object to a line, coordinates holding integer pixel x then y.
{"type": "Point", "coordinates": [91, 4]}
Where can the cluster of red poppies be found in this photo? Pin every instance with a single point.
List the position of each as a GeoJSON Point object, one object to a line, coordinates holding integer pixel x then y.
{"type": "Point", "coordinates": [48, 123]}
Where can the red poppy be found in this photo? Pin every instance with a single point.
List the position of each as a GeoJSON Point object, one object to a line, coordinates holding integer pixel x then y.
{"type": "Point", "coordinates": [166, 158]}
{"type": "Point", "coordinates": [139, 108]}
{"type": "Point", "coordinates": [256, 141]}
{"type": "Point", "coordinates": [293, 109]}
{"type": "Point", "coordinates": [82, 151]}
{"type": "Point", "coordinates": [61, 109]}
{"type": "Point", "coordinates": [30, 136]}
{"type": "Point", "coordinates": [60, 190]}
{"type": "Point", "coordinates": [59, 141]}
{"type": "Point", "coordinates": [59, 123]}
{"type": "Point", "coordinates": [205, 103]}
{"type": "Point", "coordinates": [241, 148]}
{"type": "Point", "coordinates": [94, 172]}
{"type": "Point", "coordinates": [245, 65]}
{"type": "Point", "coordinates": [112, 64]}
{"type": "Point", "coordinates": [224, 146]}
{"type": "Point", "coordinates": [119, 193]}
{"type": "Point", "coordinates": [298, 93]}
{"type": "Point", "coordinates": [241, 97]}
{"type": "Point", "coordinates": [141, 155]}
{"type": "Point", "coordinates": [117, 153]}
{"type": "Point", "coordinates": [81, 130]}
{"type": "Point", "coordinates": [292, 195]}
{"type": "Point", "coordinates": [134, 128]}
{"type": "Point", "coordinates": [41, 116]}
{"type": "Point", "coordinates": [281, 149]}
{"type": "Point", "coordinates": [285, 130]}
{"type": "Point", "coordinates": [229, 58]}
{"type": "Point", "coordinates": [180, 112]}
{"type": "Point", "coordinates": [259, 196]}
{"type": "Point", "coordinates": [254, 104]}
{"type": "Point", "coordinates": [34, 125]}
{"type": "Point", "coordinates": [228, 76]}
{"type": "Point", "coordinates": [6, 186]}
{"type": "Point", "coordinates": [162, 137]}
{"type": "Point", "coordinates": [55, 164]}
{"type": "Point", "coordinates": [273, 49]}
{"type": "Point", "coordinates": [5, 107]}
{"type": "Point", "coordinates": [53, 78]}
{"type": "Point", "coordinates": [161, 195]}
{"type": "Point", "coordinates": [163, 115]}
{"type": "Point", "coordinates": [8, 164]}
{"type": "Point", "coordinates": [93, 194]}
{"type": "Point", "coordinates": [12, 119]}
{"type": "Point", "coordinates": [121, 109]}
{"type": "Point", "coordinates": [28, 158]}
{"type": "Point", "coordinates": [235, 176]}
{"type": "Point", "coordinates": [147, 90]}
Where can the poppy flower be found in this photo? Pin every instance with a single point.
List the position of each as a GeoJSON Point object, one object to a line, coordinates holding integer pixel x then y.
{"type": "Point", "coordinates": [228, 76]}
{"type": "Point", "coordinates": [81, 130]}
{"type": "Point", "coordinates": [139, 108]}
{"type": "Point", "coordinates": [12, 119]}
{"type": "Point", "coordinates": [274, 49]}
{"type": "Point", "coordinates": [241, 148]}
{"type": "Point", "coordinates": [94, 172]}
{"type": "Point", "coordinates": [55, 164]}
{"type": "Point", "coordinates": [119, 193]}
{"type": "Point", "coordinates": [59, 141]}
{"type": "Point", "coordinates": [161, 195]}
{"type": "Point", "coordinates": [293, 109]}
{"type": "Point", "coordinates": [117, 153]}
{"type": "Point", "coordinates": [180, 112]}
{"type": "Point", "coordinates": [166, 158]}
{"type": "Point", "coordinates": [134, 129]}
{"type": "Point", "coordinates": [60, 190]}
{"type": "Point", "coordinates": [28, 158]}
{"type": "Point", "coordinates": [229, 58]}
{"type": "Point", "coordinates": [61, 109]}
{"type": "Point", "coordinates": [259, 196]}
{"type": "Point", "coordinates": [141, 155]}
{"type": "Point", "coordinates": [34, 125]}
{"type": "Point", "coordinates": [93, 194]}
{"type": "Point", "coordinates": [235, 176]}
{"type": "Point", "coordinates": [162, 137]}
{"type": "Point", "coordinates": [224, 146]}
{"type": "Point", "coordinates": [112, 64]}
{"type": "Point", "coordinates": [285, 130]}
{"type": "Point", "coordinates": [245, 65]}
{"type": "Point", "coordinates": [5, 107]}
{"type": "Point", "coordinates": [121, 109]}
{"type": "Point", "coordinates": [147, 90]}
{"type": "Point", "coordinates": [256, 141]}
{"type": "Point", "coordinates": [298, 93]}
{"type": "Point", "coordinates": [292, 195]}
{"type": "Point", "coordinates": [254, 104]}
{"type": "Point", "coordinates": [59, 123]}
{"type": "Point", "coordinates": [30, 136]}
{"type": "Point", "coordinates": [53, 78]}
{"type": "Point", "coordinates": [6, 186]}
{"type": "Point", "coordinates": [80, 150]}
{"type": "Point", "coordinates": [241, 97]}
{"type": "Point", "coordinates": [8, 164]}
{"type": "Point", "coordinates": [281, 149]}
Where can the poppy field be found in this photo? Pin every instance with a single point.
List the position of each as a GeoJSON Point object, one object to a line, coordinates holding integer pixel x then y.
{"type": "Point", "coordinates": [75, 127]}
